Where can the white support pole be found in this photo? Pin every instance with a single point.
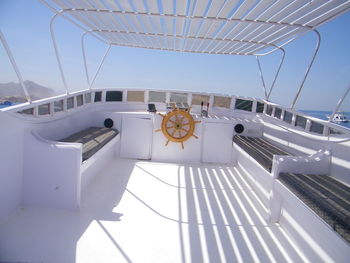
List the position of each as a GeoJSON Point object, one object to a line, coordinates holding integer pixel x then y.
{"type": "Point", "coordinates": [84, 56]}
{"type": "Point", "coordinates": [14, 65]}
{"type": "Point", "coordinates": [267, 95]}
{"type": "Point", "coordinates": [56, 52]}
{"type": "Point", "coordinates": [99, 67]}
{"type": "Point", "coordinates": [308, 68]}
{"type": "Point", "coordinates": [277, 73]}
{"type": "Point", "coordinates": [262, 77]}
{"type": "Point", "coordinates": [339, 104]}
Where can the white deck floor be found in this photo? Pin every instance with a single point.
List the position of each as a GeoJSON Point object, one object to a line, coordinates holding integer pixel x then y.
{"type": "Point", "coordinates": [152, 212]}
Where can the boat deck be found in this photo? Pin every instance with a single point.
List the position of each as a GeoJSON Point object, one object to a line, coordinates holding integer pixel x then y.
{"type": "Point", "coordinates": [138, 211]}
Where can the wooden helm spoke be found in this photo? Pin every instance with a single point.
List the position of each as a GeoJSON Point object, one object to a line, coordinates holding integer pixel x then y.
{"type": "Point", "coordinates": [178, 126]}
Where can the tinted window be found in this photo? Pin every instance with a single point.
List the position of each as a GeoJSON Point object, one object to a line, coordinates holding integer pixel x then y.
{"type": "Point", "coordinates": [223, 102]}
{"type": "Point", "coordinates": [114, 96]}
{"type": "Point", "coordinates": [269, 109]}
{"type": "Point", "coordinates": [300, 122]}
{"type": "Point", "coordinates": [58, 106]}
{"type": "Point", "coordinates": [156, 96]}
{"type": "Point", "coordinates": [278, 113]}
{"type": "Point", "coordinates": [80, 100]}
{"type": "Point", "coordinates": [316, 127]}
{"type": "Point", "coordinates": [137, 96]}
{"type": "Point", "coordinates": [288, 116]}
{"type": "Point", "coordinates": [98, 96]}
{"type": "Point", "coordinates": [70, 103]}
{"type": "Point", "coordinates": [259, 107]}
{"type": "Point", "coordinates": [44, 109]}
{"type": "Point", "coordinates": [27, 111]}
{"type": "Point", "coordinates": [87, 97]}
{"type": "Point", "coordinates": [178, 97]}
{"type": "Point", "coordinates": [333, 131]}
{"type": "Point", "coordinates": [197, 99]}
{"type": "Point", "coordinates": [244, 105]}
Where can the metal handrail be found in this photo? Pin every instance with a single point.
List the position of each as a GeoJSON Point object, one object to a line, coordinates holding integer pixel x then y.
{"type": "Point", "coordinates": [339, 104]}
{"type": "Point", "coordinates": [277, 73]}
{"type": "Point", "coordinates": [101, 63]}
{"type": "Point", "coordinates": [53, 37]}
{"type": "Point", "coordinates": [308, 68]}
{"type": "Point", "coordinates": [84, 56]}
{"type": "Point", "coordinates": [267, 95]}
{"type": "Point", "coordinates": [261, 76]}
{"type": "Point", "coordinates": [14, 65]}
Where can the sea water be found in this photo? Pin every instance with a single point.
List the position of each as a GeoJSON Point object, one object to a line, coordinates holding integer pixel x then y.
{"type": "Point", "coordinates": [323, 115]}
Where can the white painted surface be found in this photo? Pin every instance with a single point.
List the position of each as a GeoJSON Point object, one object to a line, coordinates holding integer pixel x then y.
{"type": "Point", "coordinates": [52, 173]}
{"type": "Point", "coordinates": [11, 165]}
{"type": "Point", "coordinates": [309, 230]}
{"type": "Point", "coordinates": [136, 137]}
{"type": "Point", "coordinates": [217, 142]}
{"type": "Point", "coordinates": [317, 163]}
{"type": "Point", "coordinates": [340, 165]}
{"type": "Point", "coordinates": [90, 169]}
{"type": "Point", "coordinates": [157, 212]}
{"type": "Point", "coordinates": [259, 179]}
{"type": "Point", "coordinates": [95, 234]}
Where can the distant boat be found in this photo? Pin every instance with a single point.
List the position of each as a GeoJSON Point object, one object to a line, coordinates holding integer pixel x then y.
{"type": "Point", "coordinates": [338, 118]}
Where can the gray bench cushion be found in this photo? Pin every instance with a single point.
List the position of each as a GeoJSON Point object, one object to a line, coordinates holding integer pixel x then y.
{"type": "Point", "coordinates": [93, 139]}
{"type": "Point", "coordinates": [327, 197]}
{"type": "Point", "coordinates": [261, 150]}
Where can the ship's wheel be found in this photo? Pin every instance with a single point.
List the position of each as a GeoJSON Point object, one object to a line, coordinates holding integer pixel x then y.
{"type": "Point", "coordinates": [178, 126]}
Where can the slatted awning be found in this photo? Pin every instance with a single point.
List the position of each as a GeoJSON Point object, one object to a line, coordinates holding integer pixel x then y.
{"type": "Point", "coordinates": [241, 27]}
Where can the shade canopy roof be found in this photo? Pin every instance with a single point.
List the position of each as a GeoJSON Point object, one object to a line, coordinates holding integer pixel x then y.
{"type": "Point", "coordinates": [240, 27]}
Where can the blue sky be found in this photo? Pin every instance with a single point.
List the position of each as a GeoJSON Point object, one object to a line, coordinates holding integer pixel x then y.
{"type": "Point", "coordinates": [25, 24]}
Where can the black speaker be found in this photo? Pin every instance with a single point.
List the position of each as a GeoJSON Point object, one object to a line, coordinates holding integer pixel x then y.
{"type": "Point", "coordinates": [108, 123]}
{"type": "Point", "coordinates": [152, 107]}
{"type": "Point", "coordinates": [239, 128]}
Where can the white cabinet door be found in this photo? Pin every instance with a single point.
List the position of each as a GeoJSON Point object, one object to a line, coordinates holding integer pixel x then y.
{"type": "Point", "coordinates": [217, 142]}
{"type": "Point", "coordinates": [136, 137]}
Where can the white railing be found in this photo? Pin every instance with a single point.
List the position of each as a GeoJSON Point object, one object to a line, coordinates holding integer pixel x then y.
{"type": "Point", "coordinates": [45, 108]}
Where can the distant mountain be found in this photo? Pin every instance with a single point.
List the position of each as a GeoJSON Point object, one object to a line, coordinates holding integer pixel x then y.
{"type": "Point", "coordinates": [13, 91]}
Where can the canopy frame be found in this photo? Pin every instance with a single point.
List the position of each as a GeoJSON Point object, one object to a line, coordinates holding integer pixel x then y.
{"type": "Point", "coordinates": [86, 15]}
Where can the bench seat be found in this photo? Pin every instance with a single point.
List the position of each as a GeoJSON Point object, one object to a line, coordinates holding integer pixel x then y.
{"type": "Point", "coordinates": [327, 197]}
{"type": "Point", "coordinates": [93, 139]}
{"type": "Point", "coordinates": [260, 149]}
